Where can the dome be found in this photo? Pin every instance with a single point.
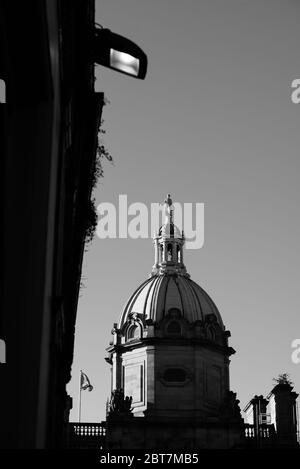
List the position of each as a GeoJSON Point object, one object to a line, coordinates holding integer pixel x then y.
{"type": "Point", "coordinates": [170, 286]}
{"type": "Point", "coordinates": [169, 230]}
{"type": "Point", "coordinates": [158, 294]}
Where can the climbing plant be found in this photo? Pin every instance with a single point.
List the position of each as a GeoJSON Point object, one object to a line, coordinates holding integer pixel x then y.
{"type": "Point", "coordinates": [97, 172]}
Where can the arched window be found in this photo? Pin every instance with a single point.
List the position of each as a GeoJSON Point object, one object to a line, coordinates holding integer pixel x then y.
{"type": "Point", "coordinates": [169, 251]}
{"type": "Point", "coordinates": [174, 328]}
{"type": "Point", "coordinates": [178, 253]}
{"type": "Point", "coordinates": [134, 332]}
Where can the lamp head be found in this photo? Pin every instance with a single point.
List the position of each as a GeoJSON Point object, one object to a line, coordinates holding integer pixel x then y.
{"type": "Point", "coordinates": [119, 53]}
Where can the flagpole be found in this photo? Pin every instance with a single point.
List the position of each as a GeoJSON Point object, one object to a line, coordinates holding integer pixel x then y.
{"type": "Point", "coordinates": [80, 396]}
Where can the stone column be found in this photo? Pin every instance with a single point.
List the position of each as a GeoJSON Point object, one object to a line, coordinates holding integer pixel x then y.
{"type": "Point", "coordinates": [181, 254]}
{"type": "Point", "coordinates": [156, 255]}
{"type": "Point", "coordinates": [164, 259]}
{"type": "Point", "coordinates": [116, 371]}
{"type": "Point", "coordinates": [174, 252]}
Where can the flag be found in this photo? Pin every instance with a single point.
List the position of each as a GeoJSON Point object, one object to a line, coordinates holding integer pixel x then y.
{"type": "Point", "coordinates": [85, 382]}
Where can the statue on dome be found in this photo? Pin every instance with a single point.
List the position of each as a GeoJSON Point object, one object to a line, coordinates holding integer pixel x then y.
{"type": "Point", "coordinates": [169, 209]}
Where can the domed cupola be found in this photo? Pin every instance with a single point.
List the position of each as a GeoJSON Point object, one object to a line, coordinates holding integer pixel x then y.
{"type": "Point", "coordinates": [170, 357]}
{"type": "Point", "coordinates": [157, 295]}
{"type": "Point", "coordinates": [168, 245]}
{"type": "Point", "coordinates": [169, 285]}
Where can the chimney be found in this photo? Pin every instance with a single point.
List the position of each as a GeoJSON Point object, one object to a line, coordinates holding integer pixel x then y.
{"type": "Point", "coordinates": [285, 414]}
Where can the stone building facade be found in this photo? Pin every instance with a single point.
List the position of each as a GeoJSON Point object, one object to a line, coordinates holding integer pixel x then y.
{"type": "Point", "coordinates": [170, 361]}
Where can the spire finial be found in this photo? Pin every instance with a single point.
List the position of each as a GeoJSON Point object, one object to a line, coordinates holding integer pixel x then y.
{"type": "Point", "coordinates": [168, 245]}
{"type": "Point", "coordinates": [169, 208]}
{"type": "Point", "coordinates": [168, 200]}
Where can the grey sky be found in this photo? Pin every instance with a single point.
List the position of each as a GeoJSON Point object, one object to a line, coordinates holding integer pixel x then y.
{"type": "Point", "coordinates": [213, 122]}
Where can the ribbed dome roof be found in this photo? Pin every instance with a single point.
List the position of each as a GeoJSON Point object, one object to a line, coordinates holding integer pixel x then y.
{"type": "Point", "coordinates": [169, 230]}
{"type": "Point", "coordinates": [158, 294]}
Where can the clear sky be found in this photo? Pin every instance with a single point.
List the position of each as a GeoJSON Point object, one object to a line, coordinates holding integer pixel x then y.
{"type": "Point", "coordinates": [214, 123]}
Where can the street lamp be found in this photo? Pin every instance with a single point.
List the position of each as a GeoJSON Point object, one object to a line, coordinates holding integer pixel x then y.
{"type": "Point", "coordinates": [119, 53]}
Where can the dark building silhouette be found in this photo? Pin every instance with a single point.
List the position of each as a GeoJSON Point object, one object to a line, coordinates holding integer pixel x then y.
{"type": "Point", "coordinates": [169, 363]}
{"type": "Point", "coordinates": [48, 140]}
{"type": "Point", "coordinates": [272, 421]}
{"type": "Point", "coordinates": [283, 401]}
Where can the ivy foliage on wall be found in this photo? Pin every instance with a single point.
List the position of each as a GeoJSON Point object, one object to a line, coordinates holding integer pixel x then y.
{"type": "Point", "coordinates": [97, 173]}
